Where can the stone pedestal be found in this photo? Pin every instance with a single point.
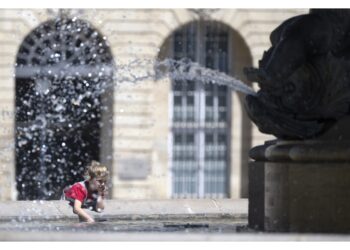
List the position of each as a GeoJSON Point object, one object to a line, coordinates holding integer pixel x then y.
{"type": "Point", "coordinates": [300, 186]}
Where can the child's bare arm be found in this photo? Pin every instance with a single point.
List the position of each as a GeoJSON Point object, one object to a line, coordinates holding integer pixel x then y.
{"type": "Point", "coordinates": [80, 212]}
{"type": "Point", "coordinates": [100, 201]}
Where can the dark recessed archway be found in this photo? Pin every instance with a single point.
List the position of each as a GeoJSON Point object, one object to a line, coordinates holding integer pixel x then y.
{"type": "Point", "coordinates": [64, 88]}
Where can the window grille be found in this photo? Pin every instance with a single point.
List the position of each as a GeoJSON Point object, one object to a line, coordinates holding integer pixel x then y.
{"type": "Point", "coordinates": [201, 116]}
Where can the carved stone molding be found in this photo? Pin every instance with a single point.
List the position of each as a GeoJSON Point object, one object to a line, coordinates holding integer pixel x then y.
{"type": "Point", "coordinates": [204, 13]}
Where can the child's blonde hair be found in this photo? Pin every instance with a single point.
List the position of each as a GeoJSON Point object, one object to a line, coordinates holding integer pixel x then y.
{"type": "Point", "coordinates": [96, 170]}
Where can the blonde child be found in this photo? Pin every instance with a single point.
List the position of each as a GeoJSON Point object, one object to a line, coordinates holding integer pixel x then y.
{"type": "Point", "coordinates": [89, 193]}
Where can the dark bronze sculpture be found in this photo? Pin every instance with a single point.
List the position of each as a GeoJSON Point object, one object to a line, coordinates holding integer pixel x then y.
{"type": "Point", "coordinates": [304, 77]}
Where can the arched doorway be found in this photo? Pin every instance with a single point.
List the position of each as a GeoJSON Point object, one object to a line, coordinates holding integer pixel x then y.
{"type": "Point", "coordinates": [64, 90]}
{"type": "Point", "coordinates": [203, 156]}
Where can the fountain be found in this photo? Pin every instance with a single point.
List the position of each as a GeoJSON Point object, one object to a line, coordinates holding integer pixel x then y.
{"type": "Point", "coordinates": [297, 183]}
{"type": "Point", "coordinates": [301, 181]}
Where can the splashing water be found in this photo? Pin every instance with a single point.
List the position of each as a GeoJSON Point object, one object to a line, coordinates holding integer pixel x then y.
{"type": "Point", "coordinates": [187, 70]}
{"type": "Point", "coordinates": [137, 71]}
{"type": "Point", "coordinates": [178, 70]}
{"type": "Point", "coordinates": [79, 88]}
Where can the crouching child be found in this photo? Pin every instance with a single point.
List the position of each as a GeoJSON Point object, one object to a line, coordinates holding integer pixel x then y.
{"type": "Point", "coordinates": [89, 193]}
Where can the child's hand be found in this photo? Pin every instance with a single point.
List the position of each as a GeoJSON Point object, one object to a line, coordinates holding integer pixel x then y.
{"type": "Point", "coordinates": [90, 220]}
{"type": "Point", "coordinates": [102, 191]}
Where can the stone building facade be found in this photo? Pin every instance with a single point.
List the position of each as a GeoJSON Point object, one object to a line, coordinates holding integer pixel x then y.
{"type": "Point", "coordinates": [139, 148]}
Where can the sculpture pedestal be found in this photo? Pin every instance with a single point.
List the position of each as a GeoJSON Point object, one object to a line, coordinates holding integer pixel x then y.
{"type": "Point", "coordinates": [300, 186]}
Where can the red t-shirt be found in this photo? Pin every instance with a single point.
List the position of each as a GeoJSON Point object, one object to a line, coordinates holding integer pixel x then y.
{"type": "Point", "coordinates": [79, 191]}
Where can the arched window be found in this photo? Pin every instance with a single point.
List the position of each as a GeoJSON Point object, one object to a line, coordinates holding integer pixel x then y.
{"type": "Point", "coordinates": [64, 88]}
{"type": "Point", "coordinates": [201, 114]}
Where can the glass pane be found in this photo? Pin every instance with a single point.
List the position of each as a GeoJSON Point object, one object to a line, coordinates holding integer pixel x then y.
{"type": "Point", "coordinates": [177, 114]}
{"type": "Point", "coordinates": [222, 101]}
{"type": "Point", "coordinates": [190, 86]}
{"type": "Point", "coordinates": [209, 100]}
{"type": "Point", "coordinates": [177, 100]}
{"type": "Point", "coordinates": [222, 138]}
{"type": "Point", "coordinates": [209, 87]}
{"type": "Point", "coordinates": [177, 86]}
{"type": "Point", "coordinates": [190, 114]}
{"type": "Point", "coordinates": [209, 138]}
{"type": "Point", "coordinates": [177, 139]}
{"type": "Point", "coordinates": [190, 100]}
{"type": "Point", "coordinates": [222, 89]}
{"type": "Point", "coordinates": [222, 116]}
{"type": "Point", "coordinates": [209, 114]}
{"type": "Point", "coordinates": [190, 138]}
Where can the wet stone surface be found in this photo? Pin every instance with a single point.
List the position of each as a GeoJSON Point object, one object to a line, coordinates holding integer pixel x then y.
{"type": "Point", "coordinates": [117, 225]}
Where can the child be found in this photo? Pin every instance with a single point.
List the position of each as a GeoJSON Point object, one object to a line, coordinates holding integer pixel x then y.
{"type": "Point", "coordinates": [89, 193]}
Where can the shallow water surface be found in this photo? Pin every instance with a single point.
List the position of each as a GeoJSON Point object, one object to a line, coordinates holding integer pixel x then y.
{"type": "Point", "coordinates": [139, 225]}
